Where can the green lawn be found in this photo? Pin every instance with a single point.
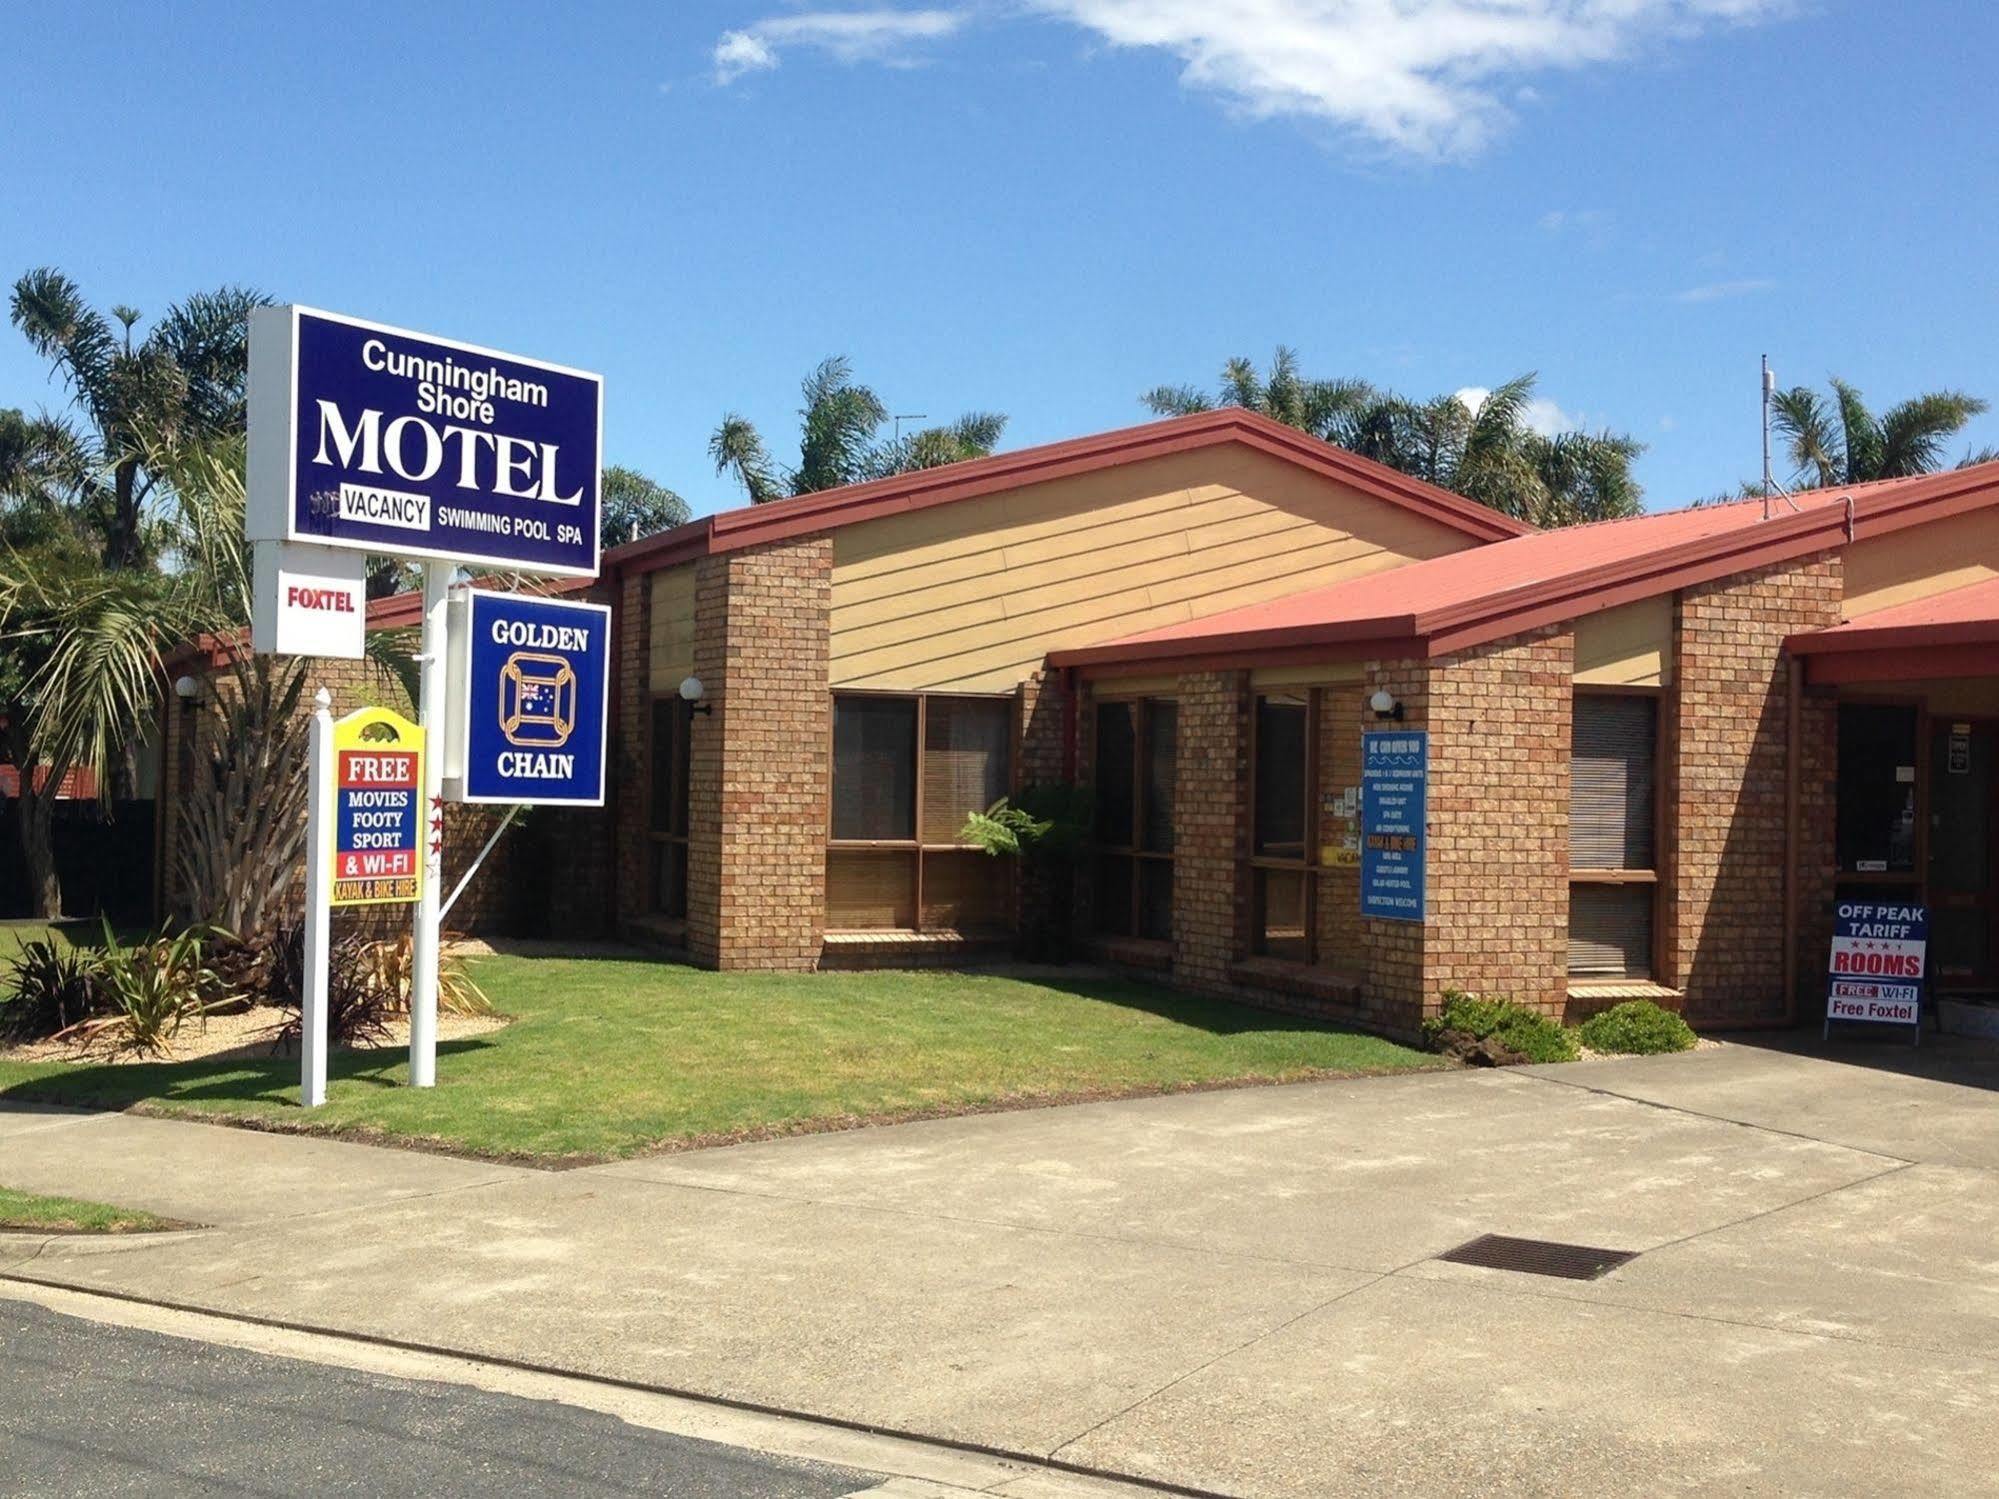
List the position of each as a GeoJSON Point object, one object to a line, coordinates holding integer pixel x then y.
{"type": "Point", "coordinates": [611, 1057]}
{"type": "Point", "coordinates": [64, 933]}
{"type": "Point", "coordinates": [32, 1212]}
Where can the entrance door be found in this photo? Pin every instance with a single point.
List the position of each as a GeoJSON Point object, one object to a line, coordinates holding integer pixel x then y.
{"type": "Point", "coordinates": [1962, 899]}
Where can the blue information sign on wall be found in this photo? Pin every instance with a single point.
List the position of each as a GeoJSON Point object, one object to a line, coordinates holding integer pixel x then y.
{"type": "Point", "coordinates": [532, 699]}
{"type": "Point", "coordinates": [1394, 806]}
{"type": "Point", "coordinates": [388, 441]}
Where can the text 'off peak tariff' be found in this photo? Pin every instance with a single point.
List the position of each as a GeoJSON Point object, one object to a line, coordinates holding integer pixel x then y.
{"type": "Point", "coordinates": [1879, 958]}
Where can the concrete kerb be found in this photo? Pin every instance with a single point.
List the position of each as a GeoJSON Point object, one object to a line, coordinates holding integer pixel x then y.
{"type": "Point", "coordinates": [965, 1466]}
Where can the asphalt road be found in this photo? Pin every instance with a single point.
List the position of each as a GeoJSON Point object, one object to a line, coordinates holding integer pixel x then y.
{"type": "Point", "coordinates": [90, 1409]}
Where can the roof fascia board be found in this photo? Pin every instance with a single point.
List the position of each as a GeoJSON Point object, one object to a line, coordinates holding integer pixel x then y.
{"type": "Point", "coordinates": [1904, 664]}
{"type": "Point", "coordinates": [1855, 639]}
{"type": "Point", "coordinates": [1371, 648]}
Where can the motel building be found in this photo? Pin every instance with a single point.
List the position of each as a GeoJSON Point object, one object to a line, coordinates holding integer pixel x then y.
{"type": "Point", "coordinates": [1659, 748]}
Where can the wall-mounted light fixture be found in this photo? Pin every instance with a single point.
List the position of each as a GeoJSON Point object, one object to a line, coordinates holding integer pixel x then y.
{"type": "Point", "coordinates": [1384, 705]}
{"type": "Point", "coordinates": [691, 693]}
{"type": "Point", "coordinates": [185, 688]}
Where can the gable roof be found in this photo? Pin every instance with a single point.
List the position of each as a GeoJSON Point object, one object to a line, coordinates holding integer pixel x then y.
{"type": "Point", "coordinates": [1467, 598]}
{"type": "Point", "coordinates": [777, 520]}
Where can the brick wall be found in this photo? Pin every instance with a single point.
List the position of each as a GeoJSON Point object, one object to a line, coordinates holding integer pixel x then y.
{"type": "Point", "coordinates": [629, 769]}
{"type": "Point", "coordinates": [1211, 807]}
{"type": "Point", "coordinates": [1723, 908]}
{"type": "Point", "coordinates": [1395, 980]}
{"type": "Point", "coordinates": [1048, 900]}
{"type": "Point", "coordinates": [758, 766]}
{"type": "Point", "coordinates": [1497, 870]}
{"type": "Point", "coordinates": [1499, 819]}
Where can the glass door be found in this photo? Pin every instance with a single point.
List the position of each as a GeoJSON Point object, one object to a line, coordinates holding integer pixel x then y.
{"type": "Point", "coordinates": [1962, 900]}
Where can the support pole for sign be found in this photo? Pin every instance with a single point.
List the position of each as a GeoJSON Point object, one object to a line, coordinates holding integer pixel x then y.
{"type": "Point", "coordinates": [424, 938]}
{"type": "Point", "coordinates": [318, 918]}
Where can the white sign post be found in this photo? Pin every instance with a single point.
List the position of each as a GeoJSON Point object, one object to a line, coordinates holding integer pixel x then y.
{"type": "Point", "coordinates": [318, 914]}
{"type": "Point", "coordinates": [424, 935]}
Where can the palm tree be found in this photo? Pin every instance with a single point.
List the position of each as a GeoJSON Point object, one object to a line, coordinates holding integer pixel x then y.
{"type": "Point", "coordinates": [1486, 451]}
{"type": "Point", "coordinates": [183, 380]}
{"type": "Point", "coordinates": [1842, 442]}
{"type": "Point", "coordinates": [636, 506]}
{"type": "Point", "coordinates": [1328, 409]}
{"type": "Point", "coordinates": [837, 442]}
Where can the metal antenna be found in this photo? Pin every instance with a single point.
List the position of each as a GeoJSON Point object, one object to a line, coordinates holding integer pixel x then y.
{"type": "Point", "coordinates": [908, 416]}
{"type": "Point", "coordinates": [1769, 389]}
{"type": "Point", "coordinates": [1770, 483]}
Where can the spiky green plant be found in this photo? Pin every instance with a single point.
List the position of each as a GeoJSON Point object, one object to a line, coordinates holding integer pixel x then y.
{"type": "Point", "coordinates": [1841, 441]}
{"type": "Point", "coordinates": [1489, 453]}
{"type": "Point", "coordinates": [839, 444]}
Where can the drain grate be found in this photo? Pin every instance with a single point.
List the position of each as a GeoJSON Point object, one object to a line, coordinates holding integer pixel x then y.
{"type": "Point", "coordinates": [1538, 1257]}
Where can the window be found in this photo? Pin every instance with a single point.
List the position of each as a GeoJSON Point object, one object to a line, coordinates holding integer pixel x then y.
{"type": "Point", "coordinates": [1304, 904]}
{"type": "Point", "coordinates": [1877, 790]}
{"type": "Point", "coordinates": [1283, 899]}
{"type": "Point", "coordinates": [1613, 817]}
{"type": "Point", "coordinates": [1137, 748]}
{"type": "Point", "coordinates": [874, 769]}
{"type": "Point", "coordinates": [907, 772]}
{"type": "Point", "coordinates": [666, 807]}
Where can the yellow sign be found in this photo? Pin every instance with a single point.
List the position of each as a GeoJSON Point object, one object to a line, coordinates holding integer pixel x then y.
{"type": "Point", "coordinates": [379, 821]}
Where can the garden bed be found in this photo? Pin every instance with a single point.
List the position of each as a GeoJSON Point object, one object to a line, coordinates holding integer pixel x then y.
{"type": "Point", "coordinates": [250, 1034]}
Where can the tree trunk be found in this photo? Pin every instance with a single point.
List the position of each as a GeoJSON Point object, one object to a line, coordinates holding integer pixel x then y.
{"type": "Point", "coordinates": [121, 548]}
{"type": "Point", "coordinates": [37, 813]}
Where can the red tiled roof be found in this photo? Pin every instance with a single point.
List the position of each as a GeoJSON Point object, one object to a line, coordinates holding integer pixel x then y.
{"type": "Point", "coordinates": [1465, 598]}
{"type": "Point", "coordinates": [749, 525]}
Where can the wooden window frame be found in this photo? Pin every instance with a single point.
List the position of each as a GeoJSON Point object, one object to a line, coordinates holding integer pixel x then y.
{"type": "Point", "coordinates": [656, 838]}
{"type": "Point", "coordinates": [1653, 877]}
{"type": "Point", "coordinates": [1141, 745]}
{"type": "Point", "coordinates": [1307, 865]}
{"type": "Point", "coordinates": [917, 846]}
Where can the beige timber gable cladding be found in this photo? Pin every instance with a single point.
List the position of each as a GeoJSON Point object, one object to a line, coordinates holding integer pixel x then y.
{"type": "Point", "coordinates": [969, 597]}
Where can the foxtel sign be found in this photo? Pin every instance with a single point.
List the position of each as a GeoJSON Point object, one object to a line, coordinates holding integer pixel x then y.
{"type": "Point", "coordinates": [381, 440]}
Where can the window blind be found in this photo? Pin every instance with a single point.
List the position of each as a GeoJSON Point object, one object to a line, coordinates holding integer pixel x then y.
{"type": "Point", "coordinates": [1611, 782]}
{"type": "Point", "coordinates": [966, 764]}
{"type": "Point", "coordinates": [1610, 930]}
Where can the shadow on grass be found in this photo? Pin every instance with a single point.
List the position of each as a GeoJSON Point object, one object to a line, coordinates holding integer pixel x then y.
{"type": "Point", "coordinates": [1217, 1017]}
{"type": "Point", "coordinates": [269, 1082]}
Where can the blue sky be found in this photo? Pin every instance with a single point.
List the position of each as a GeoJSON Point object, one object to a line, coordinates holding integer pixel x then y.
{"type": "Point", "coordinates": [1043, 207]}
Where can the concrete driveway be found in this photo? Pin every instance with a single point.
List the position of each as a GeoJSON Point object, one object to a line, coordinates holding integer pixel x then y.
{"type": "Point", "coordinates": [1233, 1291]}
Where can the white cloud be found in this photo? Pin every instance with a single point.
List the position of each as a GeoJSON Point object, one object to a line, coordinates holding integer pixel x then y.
{"type": "Point", "coordinates": [1717, 291]}
{"type": "Point", "coordinates": [738, 52]}
{"type": "Point", "coordinates": [1424, 78]}
{"type": "Point", "coordinates": [1542, 415]}
{"type": "Point", "coordinates": [884, 36]}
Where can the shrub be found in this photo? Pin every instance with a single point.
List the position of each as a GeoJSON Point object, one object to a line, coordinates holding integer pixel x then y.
{"type": "Point", "coordinates": [1496, 1032]}
{"type": "Point", "coordinates": [147, 990]}
{"type": "Point", "coordinates": [1637, 1027]}
{"type": "Point", "coordinates": [368, 989]}
{"type": "Point", "coordinates": [48, 989]}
